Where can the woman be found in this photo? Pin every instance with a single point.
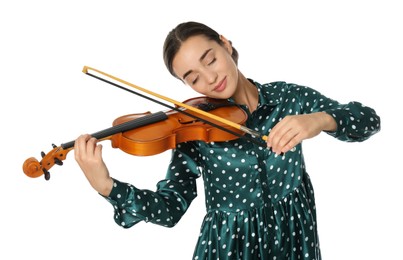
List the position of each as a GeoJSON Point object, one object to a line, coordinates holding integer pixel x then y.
{"type": "Point", "coordinates": [260, 201]}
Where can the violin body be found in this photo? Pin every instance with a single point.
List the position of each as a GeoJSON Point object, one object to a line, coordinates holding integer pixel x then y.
{"type": "Point", "coordinates": [178, 128]}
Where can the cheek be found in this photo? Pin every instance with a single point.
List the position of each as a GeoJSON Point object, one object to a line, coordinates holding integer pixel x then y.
{"type": "Point", "coordinates": [229, 67]}
{"type": "Point", "coordinates": [199, 89]}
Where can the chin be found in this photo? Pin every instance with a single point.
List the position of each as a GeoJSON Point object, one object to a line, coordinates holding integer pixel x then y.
{"type": "Point", "coordinates": [220, 96]}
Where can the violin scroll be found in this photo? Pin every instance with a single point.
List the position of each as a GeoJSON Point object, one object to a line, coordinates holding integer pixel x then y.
{"type": "Point", "coordinates": [34, 168]}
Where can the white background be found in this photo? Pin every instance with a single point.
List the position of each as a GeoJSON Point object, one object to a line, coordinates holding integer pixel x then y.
{"type": "Point", "coordinates": [347, 50]}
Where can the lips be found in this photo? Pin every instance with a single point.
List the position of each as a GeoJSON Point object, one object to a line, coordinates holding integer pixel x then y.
{"type": "Point", "coordinates": [221, 85]}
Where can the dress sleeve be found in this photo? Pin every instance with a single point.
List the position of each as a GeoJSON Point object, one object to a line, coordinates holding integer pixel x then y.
{"type": "Point", "coordinates": [168, 203]}
{"type": "Point", "coordinates": [355, 122]}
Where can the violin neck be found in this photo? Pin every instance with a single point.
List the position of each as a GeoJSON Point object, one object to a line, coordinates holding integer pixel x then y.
{"type": "Point", "coordinates": [126, 126]}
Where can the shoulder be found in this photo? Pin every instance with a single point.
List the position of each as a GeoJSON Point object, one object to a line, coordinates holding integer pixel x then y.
{"type": "Point", "coordinates": [278, 86]}
{"type": "Point", "coordinates": [276, 91]}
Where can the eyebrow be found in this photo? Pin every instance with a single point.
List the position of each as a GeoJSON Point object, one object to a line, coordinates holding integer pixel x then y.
{"type": "Point", "coordinates": [200, 59]}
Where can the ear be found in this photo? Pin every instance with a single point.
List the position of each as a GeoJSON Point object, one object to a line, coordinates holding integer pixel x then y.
{"type": "Point", "coordinates": [226, 43]}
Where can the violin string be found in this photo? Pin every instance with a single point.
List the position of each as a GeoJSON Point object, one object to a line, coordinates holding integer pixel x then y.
{"type": "Point", "coordinates": [250, 139]}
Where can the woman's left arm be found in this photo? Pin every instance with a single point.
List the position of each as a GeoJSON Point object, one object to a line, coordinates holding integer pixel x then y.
{"type": "Point", "coordinates": [352, 122]}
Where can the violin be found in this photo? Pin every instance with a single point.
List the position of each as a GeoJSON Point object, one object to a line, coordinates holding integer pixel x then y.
{"type": "Point", "coordinates": [202, 118]}
{"type": "Point", "coordinates": [146, 134]}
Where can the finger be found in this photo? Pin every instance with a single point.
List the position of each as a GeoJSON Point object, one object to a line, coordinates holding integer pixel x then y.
{"type": "Point", "coordinates": [278, 136]}
{"type": "Point", "coordinates": [277, 131]}
{"type": "Point", "coordinates": [290, 146]}
{"type": "Point", "coordinates": [98, 151]}
{"type": "Point", "coordinates": [90, 146]}
{"type": "Point", "coordinates": [77, 146]}
{"type": "Point", "coordinates": [284, 140]}
{"type": "Point", "coordinates": [80, 146]}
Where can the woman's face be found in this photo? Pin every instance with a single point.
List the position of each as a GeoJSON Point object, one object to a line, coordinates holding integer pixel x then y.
{"type": "Point", "coordinates": [207, 67]}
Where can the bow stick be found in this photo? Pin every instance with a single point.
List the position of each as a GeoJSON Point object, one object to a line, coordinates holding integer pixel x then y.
{"type": "Point", "coordinates": [242, 128]}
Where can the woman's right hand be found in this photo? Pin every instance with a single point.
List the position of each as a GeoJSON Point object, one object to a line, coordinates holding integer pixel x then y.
{"type": "Point", "coordinates": [293, 129]}
{"type": "Point", "coordinates": [88, 155]}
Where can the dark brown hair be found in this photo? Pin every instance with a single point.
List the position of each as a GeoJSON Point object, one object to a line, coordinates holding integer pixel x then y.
{"type": "Point", "coordinates": [181, 33]}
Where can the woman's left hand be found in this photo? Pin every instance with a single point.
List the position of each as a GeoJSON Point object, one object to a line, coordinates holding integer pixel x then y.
{"type": "Point", "coordinates": [292, 129]}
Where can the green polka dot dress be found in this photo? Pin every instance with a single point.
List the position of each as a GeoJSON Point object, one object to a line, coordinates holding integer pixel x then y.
{"type": "Point", "coordinates": [259, 205]}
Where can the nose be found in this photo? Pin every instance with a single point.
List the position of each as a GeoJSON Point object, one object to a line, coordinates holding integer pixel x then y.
{"type": "Point", "coordinates": [211, 76]}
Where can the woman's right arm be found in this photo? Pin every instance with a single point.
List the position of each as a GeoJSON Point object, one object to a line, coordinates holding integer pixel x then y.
{"type": "Point", "coordinates": [165, 206]}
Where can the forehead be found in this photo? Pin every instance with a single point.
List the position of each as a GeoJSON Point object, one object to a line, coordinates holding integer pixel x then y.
{"type": "Point", "coordinates": [195, 41]}
{"type": "Point", "coordinates": [191, 51]}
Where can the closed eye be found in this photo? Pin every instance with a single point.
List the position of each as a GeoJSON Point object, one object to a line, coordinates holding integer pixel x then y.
{"type": "Point", "coordinates": [195, 80]}
{"type": "Point", "coordinates": [212, 61]}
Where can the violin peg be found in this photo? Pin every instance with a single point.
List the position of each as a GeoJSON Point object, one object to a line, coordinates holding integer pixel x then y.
{"type": "Point", "coordinates": [43, 154]}
{"type": "Point", "coordinates": [58, 161]}
{"type": "Point", "coordinates": [54, 146]}
{"type": "Point", "coordinates": [46, 173]}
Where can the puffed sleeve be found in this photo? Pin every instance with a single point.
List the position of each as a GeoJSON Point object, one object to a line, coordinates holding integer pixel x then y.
{"type": "Point", "coordinates": [355, 122]}
{"type": "Point", "coordinates": [168, 203]}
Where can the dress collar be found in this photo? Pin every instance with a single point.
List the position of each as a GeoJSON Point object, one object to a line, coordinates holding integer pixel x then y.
{"type": "Point", "coordinates": [269, 94]}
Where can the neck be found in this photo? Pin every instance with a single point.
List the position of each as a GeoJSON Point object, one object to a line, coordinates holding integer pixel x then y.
{"type": "Point", "coordinates": [246, 93]}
